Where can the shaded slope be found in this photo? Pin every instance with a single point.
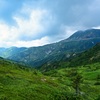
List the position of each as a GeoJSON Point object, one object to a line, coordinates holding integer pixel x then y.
{"type": "Point", "coordinates": [88, 57]}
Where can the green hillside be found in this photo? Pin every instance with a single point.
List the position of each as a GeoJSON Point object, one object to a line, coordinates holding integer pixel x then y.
{"type": "Point", "coordinates": [20, 83]}
{"type": "Point", "coordinates": [89, 87]}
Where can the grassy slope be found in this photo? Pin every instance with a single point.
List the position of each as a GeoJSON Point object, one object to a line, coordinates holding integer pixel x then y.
{"type": "Point", "coordinates": [90, 87]}
{"type": "Point", "coordinates": [20, 83]}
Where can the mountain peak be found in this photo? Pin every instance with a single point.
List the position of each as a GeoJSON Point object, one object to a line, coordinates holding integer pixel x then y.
{"type": "Point", "coordinates": [87, 34]}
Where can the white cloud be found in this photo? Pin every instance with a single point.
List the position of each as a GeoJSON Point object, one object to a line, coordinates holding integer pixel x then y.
{"type": "Point", "coordinates": [34, 26]}
{"type": "Point", "coordinates": [97, 27]}
{"type": "Point", "coordinates": [67, 31]}
{"type": "Point", "coordinates": [38, 42]}
{"type": "Point", "coordinates": [27, 30]}
{"type": "Point", "coordinates": [4, 31]}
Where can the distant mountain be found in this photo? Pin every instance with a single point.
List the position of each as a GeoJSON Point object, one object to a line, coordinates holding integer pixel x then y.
{"type": "Point", "coordinates": [7, 52]}
{"type": "Point", "coordinates": [63, 50]}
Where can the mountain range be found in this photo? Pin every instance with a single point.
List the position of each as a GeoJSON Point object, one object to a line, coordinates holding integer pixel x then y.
{"type": "Point", "coordinates": [63, 50]}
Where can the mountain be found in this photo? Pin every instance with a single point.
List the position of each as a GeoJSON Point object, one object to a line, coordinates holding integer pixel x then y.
{"type": "Point", "coordinates": [7, 52]}
{"type": "Point", "coordinates": [87, 34]}
{"type": "Point", "coordinates": [89, 56]}
{"type": "Point", "coordinates": [37, 56]}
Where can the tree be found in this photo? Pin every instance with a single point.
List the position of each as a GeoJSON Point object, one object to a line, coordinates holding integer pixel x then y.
{"type": "Point", "coordinates": [77, 80]}
{"type": "Point", "coordinates": [98, 80]}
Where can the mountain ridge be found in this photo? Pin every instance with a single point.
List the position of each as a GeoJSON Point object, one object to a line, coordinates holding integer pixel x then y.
{"type": "Point", "coordinates": [86, 34]}
{"type": "Point", "coordinates": [36, 56]}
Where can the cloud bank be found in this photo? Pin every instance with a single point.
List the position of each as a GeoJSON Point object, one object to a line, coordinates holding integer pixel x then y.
{"type": "Point", "coordinates": [39, 22]}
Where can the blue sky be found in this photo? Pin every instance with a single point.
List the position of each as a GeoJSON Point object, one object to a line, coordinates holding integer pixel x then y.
{"type": "Point", "coordinates": [39, 22]}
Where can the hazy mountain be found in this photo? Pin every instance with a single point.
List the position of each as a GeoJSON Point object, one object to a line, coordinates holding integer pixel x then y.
{"type": "Point", "coordinates": [7, 52]}
{"type": "Point", "coordinates": [36, 56]}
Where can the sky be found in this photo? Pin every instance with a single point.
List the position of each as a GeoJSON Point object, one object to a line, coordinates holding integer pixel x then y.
{"type": "Point", "coordinates": [28, 23]}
